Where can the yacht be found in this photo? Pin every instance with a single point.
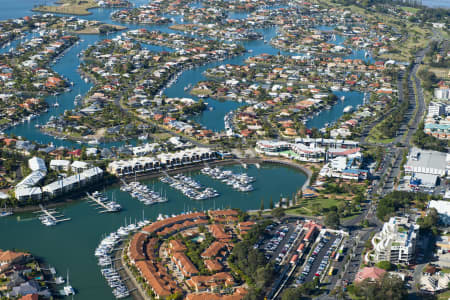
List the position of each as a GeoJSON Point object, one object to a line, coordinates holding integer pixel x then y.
{"type": "Point", "coordinates": [348, 109]}
{"type": "Point", "coordinates": [47, 221]}
{"type": "Point", "coordinates": [68, 289]}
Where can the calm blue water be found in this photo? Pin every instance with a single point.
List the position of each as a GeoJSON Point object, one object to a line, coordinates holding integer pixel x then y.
{"type": "Point", "coordinates": [436, 3]}
{"type": "Point", "coordinates": [332, 115]}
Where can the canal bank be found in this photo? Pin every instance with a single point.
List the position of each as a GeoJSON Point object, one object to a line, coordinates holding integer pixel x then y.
{"type": "Point", "coordinates": [112, 181]}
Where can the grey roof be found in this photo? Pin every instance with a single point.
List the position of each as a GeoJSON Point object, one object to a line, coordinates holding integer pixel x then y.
{"type": "Point", "coordinates": [34, 178]}
{"type": "Point", "coordinates": [426, 161]}
{"type": "Point", "coordinates": [37, 164]}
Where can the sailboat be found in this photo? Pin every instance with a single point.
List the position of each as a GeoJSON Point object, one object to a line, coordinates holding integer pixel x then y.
{"type": "Point", "coordinates": [68, 289]}
{"type": "Point", "coordinates": [5, 212]}
{"type": "Point", "coordinates": [78, 98]}
{"type": "Point", "coordinates": [56, 104]}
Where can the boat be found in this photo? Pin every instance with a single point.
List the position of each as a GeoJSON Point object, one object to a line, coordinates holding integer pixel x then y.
{"type": "Point", "coordinates": [77, 99]}
{"type": "Point", "coordinates": [5, 213]}
{"type": "Point", "coordinates": [47, 221]}
{"type": "Point", "coordinates": [348, 109]}
{"type": "Point", "coordinates": [68, 289]}
{"type": "Point", "coordinates": [93, 142]}
{"type": "Point", "coordinates": [335, 88]}
{"type": "Point", "coordinates": [342, 98]}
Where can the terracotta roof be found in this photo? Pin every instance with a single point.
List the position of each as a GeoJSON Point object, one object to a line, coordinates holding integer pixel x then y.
{"type": "Point", "coordinates": [213, 249]}
{"type": "Point", "coordinates": [10, 256]}
{"type": "Point", "coordinates": [30, 297]}
{"type": "Point", "coordinates": [227, 212]}
{"type": "Point", "coordinates": [238, 295]}
{"type": "Point", "coordinates": [218, 232]}
{"type": "Point", "coordinates": [184, 263]}
{"type": "Point", "coordinates": [137, 246]}
{"type": "Point", "coordinates": [201, 282]}
{"type": "Point", "coordinates": [213, 265]}
{"type": "Point", "coordinates": [160, 286]}
{"type": "Point", "coordinates": [160, 225]}
{"type": "Point", "coordinates": [372, 273]}
{"type": "Point", "coordinates": [177, 246]}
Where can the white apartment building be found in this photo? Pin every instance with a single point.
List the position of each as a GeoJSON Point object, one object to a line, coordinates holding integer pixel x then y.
{"type": "Point", "coordinates": [165, 160]}
{"type": "Point", "coordinates": [442, 93]}
{"type": "Point", "coordinates": [436, 109]}
{"type": "Point", "coordinates": [396, 242]}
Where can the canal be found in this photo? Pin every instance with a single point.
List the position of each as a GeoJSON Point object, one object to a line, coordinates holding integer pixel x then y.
{"type": "Point", "coordinates": [211, 119]}
{"type": "Point", "coordinates": [71, 245]}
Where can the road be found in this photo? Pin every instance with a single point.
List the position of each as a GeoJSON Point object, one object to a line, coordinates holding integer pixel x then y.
{"type": "Point", "coordinates": [390, 169]}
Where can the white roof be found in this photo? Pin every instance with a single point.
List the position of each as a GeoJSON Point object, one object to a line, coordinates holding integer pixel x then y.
{"type": "Point", "coordinates": [442, 206]}
{"type": "Point", "coordinates": [37, 164]}
{"type": "Point", "coordinates": [79, 164]}
{"type": "Point", "coordinates": [72, 179]}
{"type": "Point", "coordinates": [60, 162]}
{"type": "Point", "coordinates": [27, 191]}
{"type": "Point", "coordinates": [32, 179]}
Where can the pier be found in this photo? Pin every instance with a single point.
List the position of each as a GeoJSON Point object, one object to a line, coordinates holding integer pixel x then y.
{"type": "Point", "coordinates": [107, 207]}
{"type": "Point", "coordinates": [50, 217]}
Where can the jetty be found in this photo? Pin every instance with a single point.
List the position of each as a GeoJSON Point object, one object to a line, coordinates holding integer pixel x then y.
{"type": "Point", "coordinates": [50, 217]}
{"type": "Point", "coordinates": [100, 202]}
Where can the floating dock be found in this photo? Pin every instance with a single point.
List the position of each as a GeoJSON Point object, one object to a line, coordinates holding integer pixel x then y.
{"type": "Point", "coordinates": [105, 207]}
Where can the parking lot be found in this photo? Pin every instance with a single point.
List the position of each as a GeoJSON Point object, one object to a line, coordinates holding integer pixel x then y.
{"type": "Point", "coordinates": [319, 259]}
{"type": "Point", "coordinates": [282, 238]}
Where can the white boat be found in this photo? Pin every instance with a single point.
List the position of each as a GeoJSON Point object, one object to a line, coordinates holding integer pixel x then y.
{"type": "Point", "coordinates": [68, 289]}
{"type": "Point", "coordinates": [6, 213]}
{"type": "Point", "coordinates": [348, 109]}
{"type": "Point", "coordinates": [335, 88]}
{"type": "Point", "coordinates": [342, 98]}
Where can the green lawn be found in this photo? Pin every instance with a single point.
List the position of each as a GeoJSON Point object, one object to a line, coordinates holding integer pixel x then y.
{"type": "Point", "coordinates": [306, 207]}
{"type": "Point", "coordinates": [444, 296]}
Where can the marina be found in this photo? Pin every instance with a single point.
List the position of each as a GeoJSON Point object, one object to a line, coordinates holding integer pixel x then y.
{"type": "Point", "coordinates": [50, 217]}
{"type": "Point", "coordinates": [189, 187]}
{"type": "Point", "coordinates": [79, 238]}
{"type": "Point", "coordinates": [143, 193]}
{"type": "Point", "coordinates": [102, 204]}
{"type": "Point", "coordinates": [240, 182]}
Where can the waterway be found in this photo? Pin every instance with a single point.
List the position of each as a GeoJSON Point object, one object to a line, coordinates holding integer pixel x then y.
{"type": "Point", "coordinates": [70, 245]}
{"type": "Point", "coordinates": [211, 119]}
{"type": "Point", "coordinates": [436, 3]}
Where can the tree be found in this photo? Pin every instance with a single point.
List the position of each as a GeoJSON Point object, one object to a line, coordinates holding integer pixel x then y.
{"type": "Point", "coordinates": [278, 212]}
{"type": "Point", "coordinates": [292, 294]}
{"type": "Point", "coordinates": [385, 265]}
{"type": "Point", "coordinates": [271, 203]}
{"type": "Point", "coordinates": [332, 219]}
{"type": "Point", "coordinates": [388, 287]}
{"type": "Point", "coordinates": [262, 205]}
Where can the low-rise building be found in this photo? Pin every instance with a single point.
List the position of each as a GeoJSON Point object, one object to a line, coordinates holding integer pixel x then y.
{"type": "Point", "coordinates": [426, 166]}
{"type": "Point", "coordinates": [60, 165]}
{"type": "Point", "coordinates": [72, 183]}
{"type": "Point", "coordinates": [443, 209]}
